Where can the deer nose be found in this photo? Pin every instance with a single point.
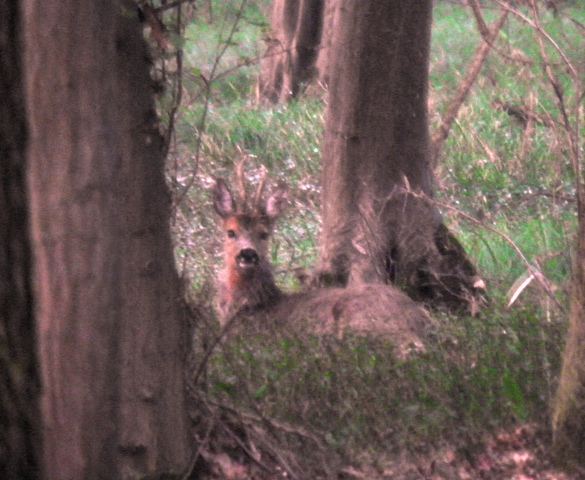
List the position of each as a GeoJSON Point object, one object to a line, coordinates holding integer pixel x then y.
{"type": "Point", "coordinates": [247, 257]}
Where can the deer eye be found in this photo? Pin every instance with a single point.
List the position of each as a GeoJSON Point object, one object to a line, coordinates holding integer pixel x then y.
{"type": "Point", "coordinates": [231, 234]}
{"type": "Point", "coordinates": [264, 236]}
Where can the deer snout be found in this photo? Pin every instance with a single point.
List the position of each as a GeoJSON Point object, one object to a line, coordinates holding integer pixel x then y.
{"type": "Point", "coordinates": [248, 257]}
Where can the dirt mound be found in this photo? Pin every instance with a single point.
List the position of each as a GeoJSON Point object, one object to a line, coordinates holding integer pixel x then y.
{"type": "Point", "coordinates": [369, 309]}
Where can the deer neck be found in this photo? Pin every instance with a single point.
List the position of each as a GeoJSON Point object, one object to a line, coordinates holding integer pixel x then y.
{"type": "Point", "coordinates": [254, 289]}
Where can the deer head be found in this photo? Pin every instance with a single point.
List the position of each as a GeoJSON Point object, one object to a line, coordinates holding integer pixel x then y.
{"type": "Point", "coordinates": [247, 225]}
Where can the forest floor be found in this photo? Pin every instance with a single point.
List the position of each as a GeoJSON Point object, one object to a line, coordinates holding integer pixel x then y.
{"type": "Point", "coordinates": [518, 454]}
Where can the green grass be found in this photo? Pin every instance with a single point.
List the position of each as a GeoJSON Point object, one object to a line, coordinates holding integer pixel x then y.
{"type": "Point", "coordinates": [478, 374]}
{"type": "Point", "coordinates": [285, 140]}
{"type": "Point", "coordinates": [526, 192]}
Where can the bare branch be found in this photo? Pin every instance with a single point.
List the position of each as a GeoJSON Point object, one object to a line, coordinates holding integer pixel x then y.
{"type": "Point", "coordinates": [177, 91]}
{"type": "Point", "coordinates": [168, 6]}
{"type": "Point", "coordinates": [467, 82]}
{"type": "Point", "coordinates": [212, 76]}
{"type": "Point", "coordinates": [537, 27]}
{"type": "Point", "coordinates": [538, 275]}
{"type": "Point", "coordinates": [481, 25]}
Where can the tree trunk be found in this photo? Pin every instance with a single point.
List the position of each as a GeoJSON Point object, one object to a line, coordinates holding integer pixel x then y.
{"type": "Point", "coordinates": [569, 408]}
{"type": "Point", "coordinates": [379, 223]}
{"type": "Point", "coordinates": [106, 286]}
{"type": "Point", "coordinates": [293, 48]}
{"type": "Point", "coordinates": [19, 384]}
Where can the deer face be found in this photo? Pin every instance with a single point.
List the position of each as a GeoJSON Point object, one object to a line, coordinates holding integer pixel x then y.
{"type": "Point", "coordinates": [247, 228]}
{"type": "Point", "coordinates": [246, 241]}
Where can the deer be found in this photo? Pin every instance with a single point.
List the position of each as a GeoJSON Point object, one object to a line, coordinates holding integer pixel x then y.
{"type": "Point", "coordinates": [247, 284]}
{"type": "Point", "coordinates": [247, 280]}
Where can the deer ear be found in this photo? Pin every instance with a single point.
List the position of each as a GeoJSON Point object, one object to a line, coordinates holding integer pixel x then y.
{"type": "Point", "coordinates": [277, 201]}
{"type": "Point", "coordinates": [223, 202]}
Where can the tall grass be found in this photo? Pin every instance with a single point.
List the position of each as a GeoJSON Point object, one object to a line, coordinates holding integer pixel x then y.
{"type": "Point", "coordinates": [516, 179]}
{"type": "Point", "coordinates": [503, 188]}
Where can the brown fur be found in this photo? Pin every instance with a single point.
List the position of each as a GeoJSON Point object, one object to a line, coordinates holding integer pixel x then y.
{"type": "Point", "coordinates": [247, 280]}
{"type": "Point", "coordinates": [248, 294]}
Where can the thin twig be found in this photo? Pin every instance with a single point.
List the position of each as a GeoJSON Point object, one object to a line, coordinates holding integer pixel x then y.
{"type": "Point", "coordinates": [466, 83]}
{"type": "Point", "coordinates": [203, 120]}
{"type": "Point", "coordinates": [527, 20]}
{"type": "Point", "coordinates": [571, 131]}
{"type": "Point", "coordinates": [168, 6]}
{"type": "Point", "coordinates": [223, 332]}
{"type": "Point", "coordinates": [178, 91]}
{"type": "Point", "coordinates": [245, 448]}
{"type": "Point", "coordinates": [191, 467]}
{"type": "Point", "coordinates": [529, 266]}
{"type": "Point", "coordinates": [260, 419]}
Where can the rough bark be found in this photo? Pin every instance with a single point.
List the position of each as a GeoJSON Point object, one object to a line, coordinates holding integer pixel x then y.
{"type": "Point", "coordinates": [330, 10]}
{"type": "Point", "coordinates": [569, 408]}
{"type": "Point", "coordinates": [106, 287]}
{"type": "Point", "coordinates": [292, 49]}
{"type": "Point", "coordinates": [379, 224]}
{"type": "Point", "coordinates": [19, 384]}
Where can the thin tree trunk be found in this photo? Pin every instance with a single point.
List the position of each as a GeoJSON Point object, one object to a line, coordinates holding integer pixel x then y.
{"type": "Point", "coordinates": [292, 50]}
{"type": "Point", "coordinates": [108, 324]}
{"type": "Point", "coordinates": [569, 407]}
{"type": "Point", "coordinates": [153, 420]}
{"type": "Point", "coordinates": [19, 384]}
{"type": "Point", "coordinates": [330, 10]}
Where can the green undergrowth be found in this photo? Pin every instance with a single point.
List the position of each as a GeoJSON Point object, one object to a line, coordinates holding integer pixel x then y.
{"type": "Point", "coordinates": [285, 140]}
{"type": "Point", "coordinates": [507, 193]}
{"type": "Point", "coordinates": [353, 394]}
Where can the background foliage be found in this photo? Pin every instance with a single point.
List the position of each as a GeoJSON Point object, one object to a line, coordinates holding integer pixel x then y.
{"type": "Point", "coordinates": [505, 183]}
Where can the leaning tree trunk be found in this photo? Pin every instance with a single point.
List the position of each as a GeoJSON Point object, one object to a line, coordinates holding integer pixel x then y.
{"type": "Point", "coordinates": [108, 322]}
{"type": "Point", "coordinates": [19, 384]}
{"type": "Point", "coordinates": [569, 408]}
{"type": "Point", "coordinates": [379, 223]}
{"type": "Point", "coordinates": [293, 49]}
